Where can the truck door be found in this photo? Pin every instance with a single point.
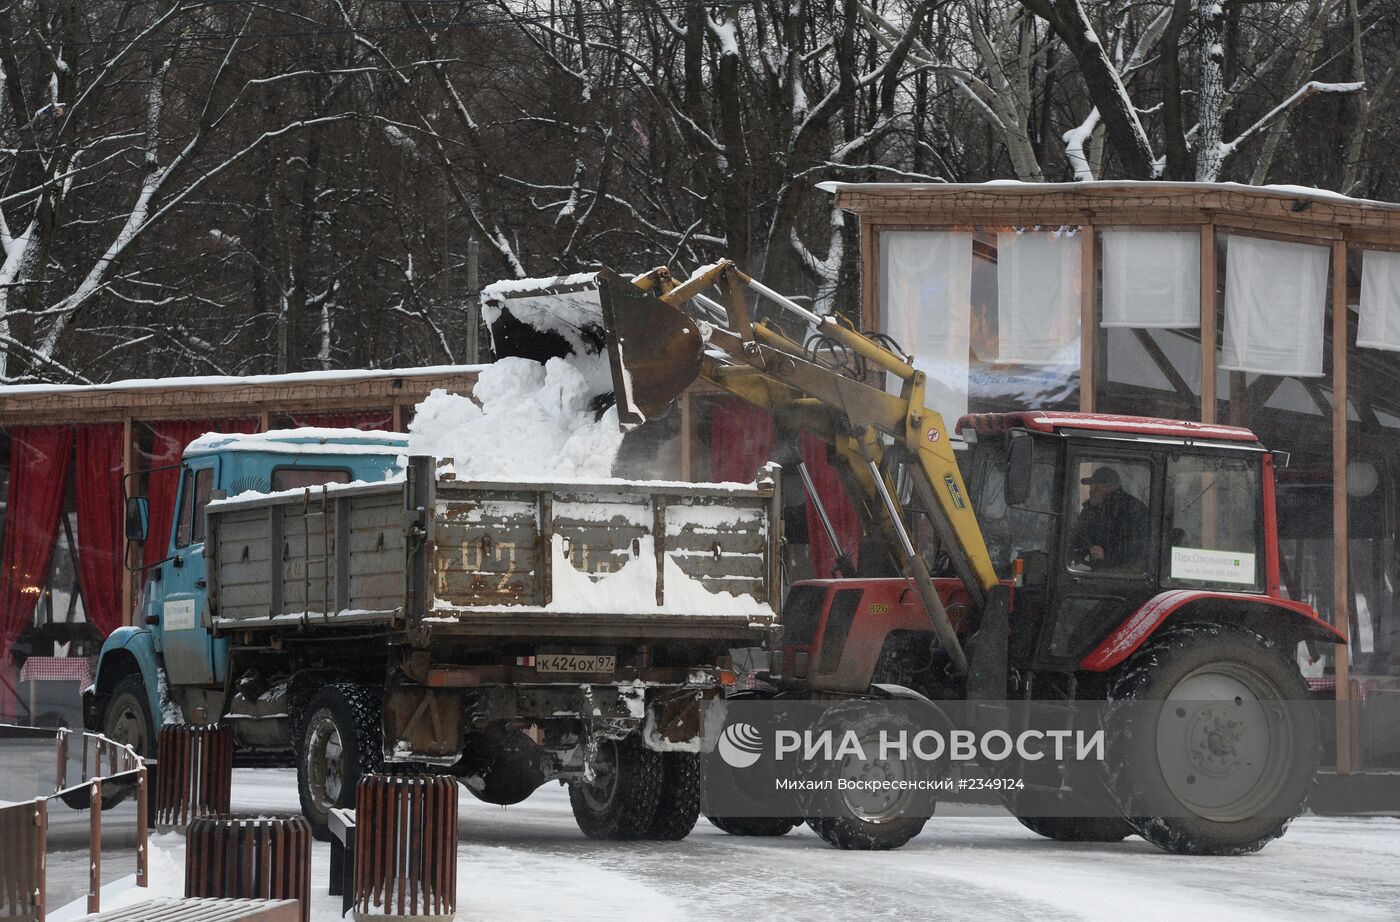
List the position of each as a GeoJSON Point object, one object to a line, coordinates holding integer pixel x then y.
{"type": "Point", "coordinates": [179, 596]}
{"type": "Point", "coordinates": [1109, 550]}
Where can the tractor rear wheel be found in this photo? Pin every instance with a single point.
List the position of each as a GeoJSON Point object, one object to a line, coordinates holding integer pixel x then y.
{"type": "Point", "coordinates": [1085, 813]}
{"type": "Point", "coordinates": [1211, 746]}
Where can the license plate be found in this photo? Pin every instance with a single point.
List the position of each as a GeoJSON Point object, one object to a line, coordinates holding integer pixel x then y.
{"type": "Point", "coordinates": [575, 662]}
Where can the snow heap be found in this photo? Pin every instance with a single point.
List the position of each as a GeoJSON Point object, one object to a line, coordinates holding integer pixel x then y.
{"type": "Point", "coordinates": [525, 421]}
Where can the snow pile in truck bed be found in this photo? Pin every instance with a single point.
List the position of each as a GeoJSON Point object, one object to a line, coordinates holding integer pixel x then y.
{"type": "Point", "coordinates": [527, 421]}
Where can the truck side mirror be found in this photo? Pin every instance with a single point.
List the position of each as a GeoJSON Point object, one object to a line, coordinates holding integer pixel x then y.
{"type": "Point", "coordinates": [138, 518]}
{"type": "Point", "coordinates": [1020, 458]}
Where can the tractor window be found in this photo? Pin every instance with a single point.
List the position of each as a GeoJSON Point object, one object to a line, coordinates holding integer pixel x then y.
{"type": "Point", "coordinates": [1110, 533]}
{"type": "Point", "coordinates": [1010, 531]}
{"type": "Point", "coordinates": [1212, 522]}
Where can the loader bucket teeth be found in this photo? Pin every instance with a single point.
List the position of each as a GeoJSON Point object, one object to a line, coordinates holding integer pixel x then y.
{"type": "Point", "coordinates": [654, 349]}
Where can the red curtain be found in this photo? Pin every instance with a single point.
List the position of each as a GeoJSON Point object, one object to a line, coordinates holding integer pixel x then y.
{"type": "Point", "coordinates": [377, 422]}
{"type": "Point", "coordinates": [98, 492]}
{"type": "Point", "coordinates": [171, 437]}
{"type": "Point", "coordinates": [741, 440]}
{"type": "Point", "coordinates": [38, 474]}
{"type": "Point", "coordinates": [845, 520]}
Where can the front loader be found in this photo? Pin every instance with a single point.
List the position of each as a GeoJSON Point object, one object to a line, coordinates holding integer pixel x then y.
{"type": "Point", "coordinates": [997, 597]}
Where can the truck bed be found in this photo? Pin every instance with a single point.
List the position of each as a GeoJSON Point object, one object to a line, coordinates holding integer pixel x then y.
{"type": "Point", "coordinates": [611, 559]}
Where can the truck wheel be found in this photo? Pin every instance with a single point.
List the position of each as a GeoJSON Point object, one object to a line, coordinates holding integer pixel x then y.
{"type": "Point", "coordinates": [620, 802]}
{"type": "Point", "coordinates": [341, 741]}
{"type": "Point", "coordinates": [871, 818]}
{"type": "Point", "coordinates": [1211, 749]}
{"type": "Point", "coordinates": [126, 718]}
{"type": "Point", "coordinates": [678, 807]}
{"type": "Point", "coordinates": [756, 826]}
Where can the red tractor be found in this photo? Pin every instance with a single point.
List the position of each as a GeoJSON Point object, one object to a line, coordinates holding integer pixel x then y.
{"type": "Point", "coordinates": [1078, 557]}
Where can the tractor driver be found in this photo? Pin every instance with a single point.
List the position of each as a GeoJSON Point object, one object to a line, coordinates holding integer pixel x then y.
{"type": "Point", "coordinates": [1111, 533]}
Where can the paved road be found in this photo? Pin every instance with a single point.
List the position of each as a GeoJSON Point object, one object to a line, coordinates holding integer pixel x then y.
{"type": "Point", "coordinates": [530, 862]}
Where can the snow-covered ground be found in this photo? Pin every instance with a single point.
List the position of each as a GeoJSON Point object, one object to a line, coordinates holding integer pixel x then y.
{"type": "Point", "coordinates": [530, 862]}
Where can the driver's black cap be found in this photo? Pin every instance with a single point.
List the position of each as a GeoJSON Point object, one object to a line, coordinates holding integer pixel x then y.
{"type": "Point", "coordinates": [1103, 475]}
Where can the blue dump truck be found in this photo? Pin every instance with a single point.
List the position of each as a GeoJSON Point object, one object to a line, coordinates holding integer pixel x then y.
{"type": "Point", "coordinates": [332, 599]}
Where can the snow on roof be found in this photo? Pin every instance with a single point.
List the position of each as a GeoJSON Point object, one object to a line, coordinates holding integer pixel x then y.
{"type": "Point", "coordinates": [1135, 185]}
{"type": "Point", "coordinates": [308, 439]}
{"type": "Point", "coordinates": [195, 381]}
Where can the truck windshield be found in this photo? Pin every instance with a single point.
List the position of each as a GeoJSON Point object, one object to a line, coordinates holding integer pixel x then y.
{"type": "Point", "coordinates": [1010, 532]}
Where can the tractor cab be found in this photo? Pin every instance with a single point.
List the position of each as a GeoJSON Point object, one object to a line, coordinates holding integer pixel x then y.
{"type": "Point", "coordinates": [1088, 518]}
{"type": "Point", "coordinates": [1091, 516]}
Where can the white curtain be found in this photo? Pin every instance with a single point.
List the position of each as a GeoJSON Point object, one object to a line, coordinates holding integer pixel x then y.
{"type": "Point", "coordinates": [1378, 323]}
{"type": "Point", "coordinates": [925, 304]}
{"type": "Point", "coordinates": [1275, 300]}
{"type": "Point", "coordinates": [1151, 279]}
{"type": "Point", "coordinates": [1038, 298]}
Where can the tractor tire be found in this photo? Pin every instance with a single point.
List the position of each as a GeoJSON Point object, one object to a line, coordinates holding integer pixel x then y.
{"type": "Point", "coordinates": [865, 820]}
{"type": "Point", "coordinates": [620, 802]}
{"type": "Point", "coordinates": [341, 742]}
{"type": "Point", "coordinates": [755, 826]}
{"type": "Point", "coordinates": [1241, 726]}
{"type": "Point", "coordinates": [678, 807]}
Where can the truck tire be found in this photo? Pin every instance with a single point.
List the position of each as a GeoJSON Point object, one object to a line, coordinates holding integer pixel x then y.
{"type": "Point", "coordinates": [678, 807]}
{"type": "Point", "coordinates": [865, 820]}
{"type": "Point", "coordinates": [341, 741]}
{"type": "Point", "coordinates": [1078, 828]}
{"type": "Point", "coordinates": [756, 826]}
{"type": "Point", "coordinates": [1228, 769]}
{"type": "Point", "coordinates": [126, 717]}
{"type": "Point", "coordinates": [620, 802]}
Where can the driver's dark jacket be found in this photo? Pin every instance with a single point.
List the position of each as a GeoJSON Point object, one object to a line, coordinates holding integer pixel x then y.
{"type": "Point", "coordinates": [1119, 526]}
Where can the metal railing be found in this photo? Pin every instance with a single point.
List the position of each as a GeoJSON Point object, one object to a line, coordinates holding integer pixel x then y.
{"type": "Point", "coordinates": [44, 772]}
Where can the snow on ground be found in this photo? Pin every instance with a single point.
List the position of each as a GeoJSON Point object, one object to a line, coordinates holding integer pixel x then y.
{"type": "Point", "coordinates": [527, 421]}
{"type": "Point", "coordinates": [530, 862]}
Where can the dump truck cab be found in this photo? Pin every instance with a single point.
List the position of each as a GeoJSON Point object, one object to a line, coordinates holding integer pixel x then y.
{"type": "Point", "coordinates": [1103, 527]}
{"type": "Point", "coordinates": [172, 643]}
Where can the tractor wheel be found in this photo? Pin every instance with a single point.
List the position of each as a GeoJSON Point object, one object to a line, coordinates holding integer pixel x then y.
{"type": "Point", "coordinates": [1211, 748]}
{"type": "Point", "coordinates": [620, 800]}
{"type": "Point", "coordinates": [756, 826]}
{"type": "Point", "coordinates": [678, 807]}
{"type": "Point", "coordinates": [341, 741]}
{"type": "Point", "coordinates": [887, 813]}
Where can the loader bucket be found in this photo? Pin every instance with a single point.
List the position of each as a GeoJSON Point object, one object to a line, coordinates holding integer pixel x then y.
{"type": "Point", "coordinates": [654, 349]}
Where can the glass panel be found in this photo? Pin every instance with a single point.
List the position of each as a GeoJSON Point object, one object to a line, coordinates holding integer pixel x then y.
{"type": "Point", "coordinates": [203, 484]}
{"type": "Point", "coordinates": [296, 478]}
{"type": "Point", "coordinates": [1212, 523]}
{"type": "Point", "coordinates": [1111, 533]}
{"type": "Point", "coordinates": [182, 532]}
{"type": "Point", "coordinates": [1000, 386]}
{"type": "Point", "coordinates": [1011, 531]}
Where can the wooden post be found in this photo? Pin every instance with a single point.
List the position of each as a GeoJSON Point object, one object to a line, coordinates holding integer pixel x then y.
{"type": "Point", "coordinates": [128, 468]}
{"type": "Point", "coordinates": [94, 900]}
{"type": "Point", "coordinates": [687, 439]}
{"type": "Point", "coordinates": [1341, 589]}
{"type": "Point", "coordinates": [869, 276]}
{"type": "Point", "coordinates": [1207, 323]}
{"type": "Point", "coordinates": [1088, 322]}
{"type": "Point", "coordinates": [397, 418]}
{"type": "Point", "coordinates": [143, 804]}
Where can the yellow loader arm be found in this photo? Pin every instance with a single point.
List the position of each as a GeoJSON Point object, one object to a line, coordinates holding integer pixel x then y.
{"type": "Point", "coordinates": [656, 351]}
